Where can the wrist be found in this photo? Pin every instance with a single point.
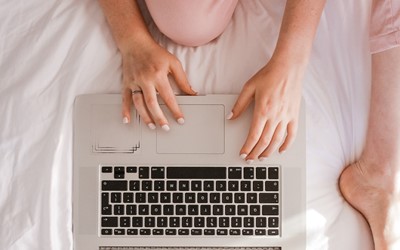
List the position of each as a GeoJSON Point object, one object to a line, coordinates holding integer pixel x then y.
{"type": "Point", "coordinates": [135, 41]}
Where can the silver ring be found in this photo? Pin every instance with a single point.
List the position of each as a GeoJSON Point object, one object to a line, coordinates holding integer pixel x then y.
{"type": "Point", "coordinates": [134, 92]}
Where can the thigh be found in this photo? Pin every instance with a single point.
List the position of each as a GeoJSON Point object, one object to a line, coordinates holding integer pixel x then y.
{"type": "Point", "coordinates": [193, 22]}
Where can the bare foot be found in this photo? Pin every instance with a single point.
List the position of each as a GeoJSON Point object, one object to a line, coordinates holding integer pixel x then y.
{"type": "Point", "coordinates": [371, 192]}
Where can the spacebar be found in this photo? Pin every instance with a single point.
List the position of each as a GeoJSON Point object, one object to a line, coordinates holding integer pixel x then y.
{"type": "Point", "coordinates": [196, 172]}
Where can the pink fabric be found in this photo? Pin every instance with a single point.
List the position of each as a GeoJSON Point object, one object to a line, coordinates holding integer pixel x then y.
{"type": "Point", "coordinates": [191, 23]}
{"type": "Point", "coordinates": [385, 25]}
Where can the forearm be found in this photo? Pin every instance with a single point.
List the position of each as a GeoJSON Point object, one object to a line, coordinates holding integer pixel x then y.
{"type": "Point", "coordinates": [126, 22]}
{"type": "Point", "coordinates": [299, 25]}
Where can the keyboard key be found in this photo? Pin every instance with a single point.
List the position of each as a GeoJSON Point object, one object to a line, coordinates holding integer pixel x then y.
{"type": "Point", "coordinates": [143, 172]}
{"type": "Point", "coordinates": [187, 221]}
{"type": "Point", "coordinates": [255, 210]}
{"type": "Point", "coordinates": [273, 232]}
{"type": "Point", "coordinates": [205, 210]}
{"type": "Point", "coordinates": [118, 231]}
{"type": "Point", "coordinates": [209, 231]}
{"type": "Point", "coordinates": [106, 232]}
{"type": "Point", "coordinates": [132, 232]}
{"type": "Point", "coordinates": [119, 210]}
{"type": "Point", "coordinates": [258, 186]}
{"type": "Point", "coordinates": [223, 221]}
{"type": "Point", "coordinates": [260, 232]}
{"type": "Point", "coordinates": [177, 197]}
{"type": "Point", "coordinates": [273, 173]}
{"type": "Point", "coordinates": [168, 209]}
{"type": "Point", "coordinates": [128, 197]}
{"type": "Point", "coordinates": [196, 186]}
{"type": "Point", "coordinates": [190, 197]}
{"type": "Point", "coordinates": [172, 186]}
{"type": "Point", "coordinates": [227, 198]}
{"type": "Point", "coordinates": [261, 173]}
{"type": "Point", "coordinates": [215, 198]}
{"type": "Point", "coordinates": [252, 198]}
{"type": "Point", "coordinates": [149, 221]}
{"type": "Point", "coordinates": [158, 231]}
{"type": "Point", "coordinates": [162, 221]}
{"type": "Point", "coordinates": [196, 173]}
{"type": "Point", "coordinates": [140, 198]}
{"type": "Point", "coordinates": [270, 210]}
{"type": "Point", "coordinates": [106, 210]}
{"type": "Point", "coordinates": [155, 210]}
{"type": "Point", "coordinates": [242, 210]}
{"type": "Point", "coordinates": [248, 173]}
{"type": "Point", "coordinates": [172, 231]}
{"type": "Point", "coordinates": [144, 210]}
{"type": "Point", "coordinates": [202, 198]}
{"type": "Point", "coordinates": [234, 232]}
{"type": "Point", "coordinates": [211, 221]}
{"type": "Point", "coordinates": [230, 209]}
{"type": "Point", "coordinates": [261, 222]}
{"type": "Point", "coordinates": [220, 185]}
{"type": "Point", "coordinates": [193, 209]}
{"type": "Point", "coordinates": [199, 221]}
{"type": "Point", "coordinates": [159, 185]}
{"type": "Point", "coordinates": [239, 197]}
{"type": "Point", "coordinates": [116, 197]}
{"type": "Point", "coordinates": [183, 232]}
{"type": "Point", "coordinates": [119, 172]}
{"type": "Point", "coordinates": [236, 222]}
{"type": "Point", "coordinates": [109, 221]}
{"type": "Point", "coordinates": [208, 186]}
{"type": "Point", "coordinates": [247, 231]}
{"type": "Point", "coordinates": [106, 169]}
{"type": "Point", "coordinates": [125, 221]}
{"type": "Point", "coordinates": [218, 209]}
{"type": "Point", "coordinates": [271, 186]}
{"type": "Point", "coordinates": [131, 209]}
{"type": "Point", "coordinates": [248, 222]}
{"type": "Point", "coordinates": [147, 185]}
{"type": "Point", "coordinates": [269, 197]}
{"type": "Point", "coordinates": [183, 185]}
{"type": "Point", "coordinates": [114, 185]}
{"type": "Point", "coordinates": [233, 186]}
{"type": "Point", "coordinates": [222, 231]}
{"type": "Point", "coordinates": [145, 231]}
{"type": "Point", "coordinates": [273, 221]}
{"type": "Point", "coordinates": [131, 169]}
{"type": "Point", "coordinates": [152, 197]}
{"type": "Point", "coordinates": [234, 172]}
{"type": "Point", "coordinates": [134, 185]}
{"type": "Point", "coordinates": [196, 232]}
{"type": "Point", "coordinates": [245, 186]}
{"type": "Point", "coordinates": [165, 197]}
{"type": "Point", "coordinates": [157, 172]}
{"type": "Point", "coordinates": [137, 221]}
{"type": "Point", "coordinates": [174, 221]}
{"type": "Point", "coordinates": [180, 209]}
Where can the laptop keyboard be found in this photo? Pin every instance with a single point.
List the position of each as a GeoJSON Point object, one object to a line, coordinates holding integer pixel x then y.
{"type": "Point", "coordinates": [189, 201]}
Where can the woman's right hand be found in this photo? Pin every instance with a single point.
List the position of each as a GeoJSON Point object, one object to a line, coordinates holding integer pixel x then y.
{"type": "Point", "coordinates": [145, 68]}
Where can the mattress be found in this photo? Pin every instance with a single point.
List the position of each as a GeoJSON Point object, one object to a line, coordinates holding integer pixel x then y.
{"type": "Point", "coordinates": [53, 50]}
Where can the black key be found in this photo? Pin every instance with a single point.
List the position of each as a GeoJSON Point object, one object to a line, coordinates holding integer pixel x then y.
{"type": "Point", "coordinates": [114, 185]}
{"type": "Point", "coordinates": [258, 186]}
{"type": "Point", "coordinates": [215, 198]}
{"type": "Point", "coordinates": [106, 169]}
{"type": "Point", "coordinates": [168, 209]}
{"type": "Point", "coordinates": [193, 209]}
{"type": "Point", "coordinates": [119, 231]}
{"type": "Point", "coordinates": [172, 231]}
{"type": "Point", "coordinates": [202, 198]}
{"type": "Point", "coordinates": [183, 232]}
{"type": "Point", "coordinates": [261, 222]}
{"type": "Point", "coordinates": [227, 198]}
{"type": "Point", "coordinates": [236, 222]}
{"type": "Point", "coordinates": [131, 169]}
{"type": "Point", "coordinates": [190, 197]}
{"type": "Point", "coordinates": [177, 197]}
{"type": "Point", "coordinates": [143, 172]}
{"type": "Point", "coordinates": [131, 209]}
{"type": "Point", "coordinates": [255, 210]}
{"type": "Point", "coordinates": [174, 221]}
{"type": "Point", "coordinates": [239, 197]}
{"type": "Point", "coordinates": [208, 186]}
{"type": "Point", "coordinates": [271, 186]}
{"type": "Point", "coordinates": [106, 231]}
{"type": "Point", "coordinates": [144, 210]}
{"type": "Point", "coordinates": [273, 232]}
{"type": "Point", "coordinates": [247, 231]}
{"type": "Point", "coordinates": [119, 172]}
{"type": "Point", "coordinates": [183, 185]}
{"type": "Point", "coordinates": [157, 172]}
{"type": "Point", "coordinates": [245, 186]}
{"type": "Point", "coordinates": [124, 221]}
{"type": "Point", "coordinates": [134, 185]}
{"type": "Point", "coordinates": [220, 186]}
{"type": "Point", "coordinates": [140, 198]}
{"type": "Point", "coordinates": [145, 231]}
{"type": "Point", "coordinates": [165, 197]}
{"type": "Point", "coordinates": [128, 197]}
{"type": "Point", "coordinates": [235, 173]}
{"type": "Point", "coordinates": [218, 209]}
{"type": "Point", "coordinates": [248, 173]}
{"type": "Point", "coordinates": [196, 232]}
{"type": "Point", "coordinates": [252, 198]}
{"type": "Point", "coordinates": [155, 210]}
{"type": "Point", "coordinates": [137, 221]}
{"type": "Point", "coordinates": [159, 185]}
{"type": "Point", "coordinates": [269, 198]}
{"type": "Point", "coordinates": [233, 186]}
{"type": "Point", "coordinates": [180, 209]}
{"type": "Point", "coordinates": [106, 207]}
{"type": "Point", "coordinates": [205, 210]}
{"type": "Point", "coordinates": [196, 172]}
{"type": "Point", "coordinates": [149, 221]}
{"type": "Point", "coordinates": [196, 186]}
{"type": "Point", "coordinates": [147, 185]}
{"type": "Point", "coordinates": [248, 222]}
{"type": "Point", "coordinates": [162, 221]}
{"type": "Point", "coordinates": [187, 222]}
{"type": "Point", "coordinates": [261, 173]}
{"type": "Point", "coordinates": [105, 199]}
{"type": "Point", "coordinates": [223, 221]}
{"type": "Point", "coordinates": [132, 232]}
{"type": "Point", "coordinates": [199, 222]}
{"type": "Point", "coordinates": [109, 221]}
{"type": "Point", "coordinates": [119, 210]}
{"type": "Point", "coordinates": [211, 221]}
{"type": "Point", "coordinates": [260, 232]}
{"type": "Point", "coordinates": [270, 210]}
{"type": "Point", "coordinates": [230, 209]}
{"type": "Point", "coordinates": [273, 221]}
{"type": "Point", "coordinates": [115, 197]}
{"type": "Point", "coordinates": [106, 210]}
{"type": "Point", "coordinates": [234, 232]}
{"type": "Point", "coordinates": [152, 197]}
{"type": "Point", "coordinates": [209, 231]}
{"type": "Point", "coordinates": [157, 231]}
{"type": "Point", "coordinates": [222, 231]}
{"type": "Point", "coordinates": [273, 173]}
{"type": "Point", "coordinates": [242, 210]}
{"type": "Point", "coordinates": [172, 185]}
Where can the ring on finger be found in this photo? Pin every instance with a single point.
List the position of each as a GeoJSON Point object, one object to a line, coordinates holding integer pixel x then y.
{"type": "Point", "coordinates": [137, 91]}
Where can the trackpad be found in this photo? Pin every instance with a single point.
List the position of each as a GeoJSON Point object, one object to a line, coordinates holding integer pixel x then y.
{"type": "Point", "coordinates": [202, 133]}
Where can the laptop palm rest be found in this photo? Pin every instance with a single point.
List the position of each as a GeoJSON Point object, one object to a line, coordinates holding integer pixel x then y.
{"type": "Point", "coordinates": [202, 133]}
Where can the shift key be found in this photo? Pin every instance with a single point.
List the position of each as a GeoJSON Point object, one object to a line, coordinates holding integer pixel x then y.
{"type": "Point", "coordinates": [269, 198]}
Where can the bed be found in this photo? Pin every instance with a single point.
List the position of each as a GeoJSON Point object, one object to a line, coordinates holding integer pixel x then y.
{"type": "Point", "coordinates": [51, 51]}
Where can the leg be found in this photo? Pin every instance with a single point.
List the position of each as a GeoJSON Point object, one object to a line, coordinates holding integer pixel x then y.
{"type": "Point", "coordinates": [191, 23]}
{"type": "Point", "coordinates": [371, 185]}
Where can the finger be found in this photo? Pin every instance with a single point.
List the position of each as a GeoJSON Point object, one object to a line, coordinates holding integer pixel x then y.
{"type": "Point", "coordinates": [180, 78]}
{"type": "Point", "coordinates": [263, 141]}
{"type": "Point", "coordinates": [244, 99]}
{"type": "Point", "coordinates": [126, 105]}
{"type": "Point", "coordinates": [168, 96]}
{"type": "Point", "coordinates": [258, 124]}
{"type": "Point", "coordinates": [150, 98]}
{"type": "Point", "coordinates": [276, 140]}
{"type": "Point", "coordinates": [138, 101]}
{"type": "Point", "coordinates": [291, 135]}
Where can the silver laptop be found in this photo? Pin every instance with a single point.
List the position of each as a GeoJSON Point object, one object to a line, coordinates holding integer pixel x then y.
{"type": "Point", "coordinates": [136, 188]}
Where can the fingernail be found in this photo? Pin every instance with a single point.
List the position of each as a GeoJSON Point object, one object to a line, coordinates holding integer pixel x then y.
{"type": "Point", "coordinates": [229, 116]}
{"type": "Point", "coordinates": [243, 156]}
{"type": "Point", "coordinates": [249, 161]}
{"type": "Point", "coordinates": [282, 152]}
{"type": "Point", "coordinates": [152, 126]}
{"type": "Point", "coordinates": [125, 120]}
{"type": "Point", "coordinates": [262, 158]}
{"type": "Point", "coordinates": [165, 127]}
{"type": "Point", "coordinates": [181, 121]}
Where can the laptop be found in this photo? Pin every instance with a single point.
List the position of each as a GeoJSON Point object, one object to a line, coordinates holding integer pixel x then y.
{"type": "Point", "coordinates": [136, 188]}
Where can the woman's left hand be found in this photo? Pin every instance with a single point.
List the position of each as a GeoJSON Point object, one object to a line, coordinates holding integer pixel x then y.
{"type": "Point", "coordinates": [276, 90]}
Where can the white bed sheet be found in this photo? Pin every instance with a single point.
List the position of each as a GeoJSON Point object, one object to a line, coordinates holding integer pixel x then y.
{"type": "Point", "coordinates": [53, 50]}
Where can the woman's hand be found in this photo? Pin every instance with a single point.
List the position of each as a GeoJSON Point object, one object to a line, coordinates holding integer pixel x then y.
{"type": "Point", "coordinates": [276, 90]}
{"type": "Point", "coordinates": [146, 66]}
